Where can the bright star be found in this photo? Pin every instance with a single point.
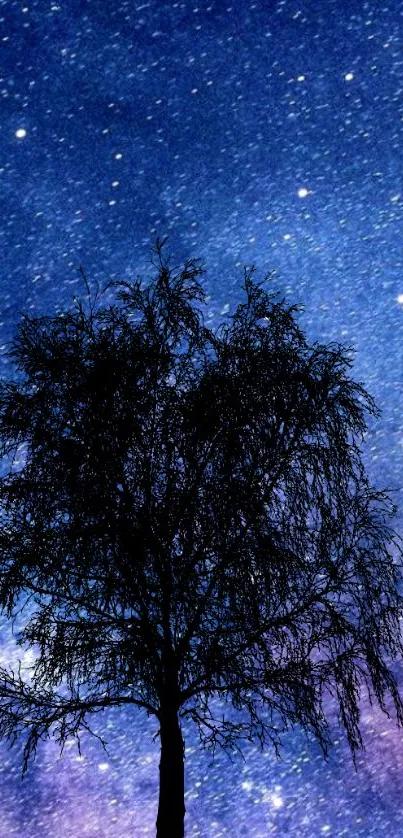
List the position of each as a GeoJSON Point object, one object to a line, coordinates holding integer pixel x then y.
{"type": "Point", "coordinates": [20, 133]}
{"type": "Point", "coordinates": [276, 801]}
{"type": "Point", "coordinates": [103, 766]}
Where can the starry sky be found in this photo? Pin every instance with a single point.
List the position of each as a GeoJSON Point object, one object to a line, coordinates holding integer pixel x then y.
{"type": "Point", "coordinates": [266, 133]}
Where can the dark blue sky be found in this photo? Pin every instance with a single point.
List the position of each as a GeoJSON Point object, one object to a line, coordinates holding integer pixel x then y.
{"type": "Point", "coordinates": [267, 132]}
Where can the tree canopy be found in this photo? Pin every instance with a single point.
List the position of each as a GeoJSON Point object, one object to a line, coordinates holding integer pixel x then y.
{"type": "Point", "coordinates": [191, 518]}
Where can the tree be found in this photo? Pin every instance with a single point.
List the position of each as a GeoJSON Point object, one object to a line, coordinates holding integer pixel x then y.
{"type": "Point", "coordinates": [190, 518]}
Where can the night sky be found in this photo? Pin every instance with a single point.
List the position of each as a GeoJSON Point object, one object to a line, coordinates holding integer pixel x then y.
{"type": "Point", "coordinates": [248, 132]}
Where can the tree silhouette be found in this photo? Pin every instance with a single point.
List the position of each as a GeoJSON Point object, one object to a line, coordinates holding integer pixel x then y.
{"type": "Point", "coordinates": [190, 518]}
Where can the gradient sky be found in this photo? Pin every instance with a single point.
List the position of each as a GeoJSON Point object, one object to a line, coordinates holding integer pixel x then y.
{"type": "Point", "coordinates": [267, 132]}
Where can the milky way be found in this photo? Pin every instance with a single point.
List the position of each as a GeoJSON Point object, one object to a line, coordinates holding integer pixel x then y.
{"type": "Point", "coordinates": [267, 133]}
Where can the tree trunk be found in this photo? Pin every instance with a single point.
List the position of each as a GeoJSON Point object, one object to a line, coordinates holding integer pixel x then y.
{"type": "Point", "coordinates": [171, 805]}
